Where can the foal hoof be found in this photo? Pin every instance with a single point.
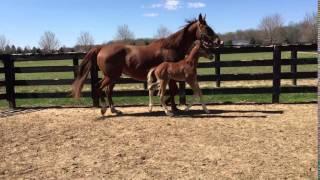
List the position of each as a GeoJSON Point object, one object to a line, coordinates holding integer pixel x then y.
{"type": "Point", "coordinates": [207, 111]}
{"type": "Point", "coordinates": [103, 111]}
{"type": "Point", "coordinates": [169, 114]}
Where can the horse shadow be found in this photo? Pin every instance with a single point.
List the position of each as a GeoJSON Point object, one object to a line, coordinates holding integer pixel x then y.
{"type": "Point", "coordinates": [217, 113]}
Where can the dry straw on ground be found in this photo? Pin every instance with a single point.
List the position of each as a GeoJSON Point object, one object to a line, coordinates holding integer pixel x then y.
{"type": "Point", "coordinates": [234, 142]}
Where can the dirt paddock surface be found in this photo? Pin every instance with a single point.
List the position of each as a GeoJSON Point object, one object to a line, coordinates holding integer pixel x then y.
{"type": "Point", "coordinates": [233, 142]}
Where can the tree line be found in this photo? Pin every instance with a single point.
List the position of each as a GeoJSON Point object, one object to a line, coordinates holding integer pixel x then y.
{"type": "Point", "coordinates": [49, 43]}
{"type": "Point", "coordinates": [271, 30]}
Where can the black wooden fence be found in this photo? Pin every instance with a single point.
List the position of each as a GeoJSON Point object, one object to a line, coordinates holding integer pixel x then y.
{"type": "Point", "coordinates": [276, 62]}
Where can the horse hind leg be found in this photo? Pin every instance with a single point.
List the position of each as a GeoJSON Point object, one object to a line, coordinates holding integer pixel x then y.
{"type": "Point", "coordinates": [102, 95]}
{"type": "Point", "coordinates": [110, 101]}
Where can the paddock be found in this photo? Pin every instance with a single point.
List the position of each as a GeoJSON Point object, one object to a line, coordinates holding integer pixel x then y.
{"type": "Point", "coordinates": [236, 141]}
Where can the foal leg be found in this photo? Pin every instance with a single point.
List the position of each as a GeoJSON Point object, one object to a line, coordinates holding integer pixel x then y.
{"type": "Point", "coordinates": [152, 87]}
{"type": "Point", "coordinates": [192, 101]}
{"type": "Point", "coordinates": [197, 93]}
{"type": "Point", "coordinates": [151, 91]}
{"type": "Point", "coordinates": [163, 84]}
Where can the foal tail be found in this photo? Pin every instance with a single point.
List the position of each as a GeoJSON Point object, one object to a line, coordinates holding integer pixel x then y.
{"type": "Point", "coordinates": [151, 79]}
{"type": "Point", "coordinates": [84, 70]}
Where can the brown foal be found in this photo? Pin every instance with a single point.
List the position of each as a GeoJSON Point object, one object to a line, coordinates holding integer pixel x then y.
{"type": "Point", "coordinates": [184, 70]}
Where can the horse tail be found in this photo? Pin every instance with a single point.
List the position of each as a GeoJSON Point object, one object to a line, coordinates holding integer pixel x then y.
{"type": "Point", "coordinates": [84, 70]}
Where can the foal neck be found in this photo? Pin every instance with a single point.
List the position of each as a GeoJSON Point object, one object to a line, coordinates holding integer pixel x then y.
{"type": "Point", "coordinates": [194, 54]}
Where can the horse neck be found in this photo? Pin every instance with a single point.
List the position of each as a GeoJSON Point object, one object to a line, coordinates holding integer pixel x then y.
{"type": "Point", "coordinates": [183, 39]}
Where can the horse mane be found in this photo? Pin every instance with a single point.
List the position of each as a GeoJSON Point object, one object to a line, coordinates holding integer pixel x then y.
{"type": "Point", "coordinates": [174, 39]}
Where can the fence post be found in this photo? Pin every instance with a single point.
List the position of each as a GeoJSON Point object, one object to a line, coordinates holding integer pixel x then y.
{"type": "Point", "coordinates": [145, 84]}
{"type": "Point", "coordinates": [75, 61]}
{"type": "Point", "coordinates": [182, 93]}
{"type": "Point", "coordinates": [217, 63]}
{"type": "Point", "coordinates": [276, 74]}
{"type": "Point", "coordinates": [8, 62]}
{"type": "Point", "coordinates": [94, 84]}
{"type": "Point", "coordinates": [294, 59]}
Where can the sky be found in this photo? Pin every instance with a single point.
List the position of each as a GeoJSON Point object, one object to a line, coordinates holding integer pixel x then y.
{"type": "Point", "coordinates": [23, 22]}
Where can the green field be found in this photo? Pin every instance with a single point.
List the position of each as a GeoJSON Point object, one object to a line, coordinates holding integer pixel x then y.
{"type": "Point", "coordinates": [265, 98]}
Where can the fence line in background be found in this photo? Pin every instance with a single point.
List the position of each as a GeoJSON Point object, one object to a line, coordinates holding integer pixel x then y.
{"type": "Point", "coordinates": [276, 62]}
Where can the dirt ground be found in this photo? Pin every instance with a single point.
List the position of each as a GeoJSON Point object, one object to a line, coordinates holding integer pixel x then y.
{"type": "Point", "coordinates": [233, 142]}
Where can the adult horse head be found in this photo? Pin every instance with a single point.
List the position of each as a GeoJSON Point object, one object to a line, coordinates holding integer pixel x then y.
{"type": "Point", "coordinates": [205, 33]}
{"type": "Point", "coordinates": [135, 61]}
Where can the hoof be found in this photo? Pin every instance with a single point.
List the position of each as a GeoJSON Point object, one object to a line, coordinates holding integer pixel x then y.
{"type": "Point", "coordinates": [103, 111]}
{"type": "Point", "coordinates": [169, 114]}
{"type": "Point", "coordinates": [207, 111]}
{"type": "Point", "coordinates": [175, 109]}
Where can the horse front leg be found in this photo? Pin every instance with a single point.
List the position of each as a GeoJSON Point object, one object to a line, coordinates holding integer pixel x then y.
{"type": "Point", "coordinates": [163, 85]}
{"type": "Point", "coordinates": [173, 90]}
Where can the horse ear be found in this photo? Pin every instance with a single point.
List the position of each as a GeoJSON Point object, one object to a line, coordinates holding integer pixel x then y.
{"type": "Point", "coordinates": [201, 19]}
{"type": "Point", "coordinates": [204, 18]}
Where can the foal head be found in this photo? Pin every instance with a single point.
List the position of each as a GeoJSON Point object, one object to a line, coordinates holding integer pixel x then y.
{"type": "Point", "coordinates": [199, 50]}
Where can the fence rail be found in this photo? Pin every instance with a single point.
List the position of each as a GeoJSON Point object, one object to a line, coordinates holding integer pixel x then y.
{"type": "Point", "coordinates": [9, 70]}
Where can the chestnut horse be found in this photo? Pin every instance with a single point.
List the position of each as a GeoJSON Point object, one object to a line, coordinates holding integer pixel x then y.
{"type": "Point", "coordinates": [136, 61]}
{"type": "Point", "coordinates": [184, 70]}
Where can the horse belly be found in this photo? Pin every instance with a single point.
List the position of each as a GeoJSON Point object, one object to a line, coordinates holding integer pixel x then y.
{"type": "Point", "coordinates": [138, 74]}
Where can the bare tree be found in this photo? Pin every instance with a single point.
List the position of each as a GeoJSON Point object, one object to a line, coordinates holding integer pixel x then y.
{"type": "Point", "coordinates": [292, 33]}
{"type": "Point", "coordinates": [162, 32]}
{"type": "Point", "coordinates": [85, 41]}
{"type": "Point", "coordinates": [49, 42]}
{"type": "Point", "coordinates": [124, 33]}
{"type": "Point", "coordinates": [308, 28]}
{"type": "Point", "coordinates": [272, 28]}
{"type": "Point", "coordinates": [3, 43]}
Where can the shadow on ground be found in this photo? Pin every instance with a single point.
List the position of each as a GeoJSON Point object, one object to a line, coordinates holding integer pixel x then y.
{"type": "Point", "coordinates": [191, 113]}
{"type": "Point", "coordinates": [199, 114]}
